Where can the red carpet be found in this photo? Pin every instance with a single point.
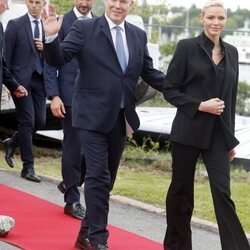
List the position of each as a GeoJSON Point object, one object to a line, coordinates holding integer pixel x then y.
{"type": "Point", "coordinates": [41, 225]}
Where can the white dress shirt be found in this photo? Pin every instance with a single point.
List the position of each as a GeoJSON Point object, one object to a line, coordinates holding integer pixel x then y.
{"type": "Point", "coordinates": [33, 26]}
{"type": "Point", "coordinates": [112, 26]}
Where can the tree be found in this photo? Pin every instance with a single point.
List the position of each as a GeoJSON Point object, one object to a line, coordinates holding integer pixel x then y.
{"type": "Point", "coordinates": [98, 7]}
{"type": "Point", "coordinates": [168, 48]}
{"type": "Point", "coordinates": [63, 6]}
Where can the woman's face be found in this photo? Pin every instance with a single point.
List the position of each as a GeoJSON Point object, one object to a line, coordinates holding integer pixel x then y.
{"type": "Point", "coordinates": [214, 20]}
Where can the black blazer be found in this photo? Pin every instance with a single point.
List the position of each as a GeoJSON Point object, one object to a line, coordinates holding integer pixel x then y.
{"type": "Point", "coordinates": [5, 76]}
{"type": "Point", "coordinates": [20, 49]}
{"type": "Point", "coordinates": [191, 79]}
{"type": "Point", "coordinates": [101, 81]}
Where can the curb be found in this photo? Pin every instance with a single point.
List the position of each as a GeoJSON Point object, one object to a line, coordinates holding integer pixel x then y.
{"type": "Point", "coordinates": [203, 224]}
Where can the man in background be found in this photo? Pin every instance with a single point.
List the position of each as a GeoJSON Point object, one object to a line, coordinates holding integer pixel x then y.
{"type": "Point", "coordinates": [6, 222]}
{"type": "Point", "coordinates": [59, 84]}
{"type": "Point", "coordinates": [24, 46]}
{"type": "Point", "coordinates": [5, 76]}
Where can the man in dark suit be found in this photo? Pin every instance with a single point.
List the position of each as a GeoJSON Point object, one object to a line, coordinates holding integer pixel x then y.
{"type": "Point", "coordinates": [111, 55]}
{"type": "Point", "coordinates": [5, 76]}
{"type": "Point", "coordinates": [59, 84]}
{"type": "Point", "coordinates": [23, 40]}
{"type": "Point", "coordinates": [6, 222]}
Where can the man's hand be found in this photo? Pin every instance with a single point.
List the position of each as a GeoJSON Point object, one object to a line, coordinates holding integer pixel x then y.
{"type": "Point", "coordinates": [51, 24]}
{"type": "Point", "coordinates": [39, 44]}
{"type": "Point", "coordinates": [20, 92]}
{"type": "Point", "coordinates": [57, 107]}
{"type": "Point", "coordinates": [214, 106]}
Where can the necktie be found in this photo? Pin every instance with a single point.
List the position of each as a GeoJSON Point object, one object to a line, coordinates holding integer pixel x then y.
{"type": "Point", "coordinates": [36, 30]}
{"type": "Point", "coordinates": [39, 66]}
{"type": "Point", "coordinates": [120, 51]}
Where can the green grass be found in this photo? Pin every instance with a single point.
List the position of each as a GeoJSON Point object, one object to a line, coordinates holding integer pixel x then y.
{"type": "Point", "coordinates": [144, 186]}
{"type": "Point", "coordinates": [149, 182]}
{"type": "Point", "coordinates": [150, 187]}
{"type": "Point", "coordinates": [47, 162]}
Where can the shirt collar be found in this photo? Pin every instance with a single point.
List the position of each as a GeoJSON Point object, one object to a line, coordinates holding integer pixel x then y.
{"type": "Point", "coordinates": [32, 18]}
{"type": "Point", "coordinates": [78, 14]}
{"type": "Point", "coordinates": [112, 24]}
{"type": "Point", "coordinates": [209, 43]}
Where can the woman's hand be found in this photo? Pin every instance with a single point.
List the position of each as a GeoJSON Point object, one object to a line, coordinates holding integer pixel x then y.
{"type": "Point", "coordinates": [214, 106]}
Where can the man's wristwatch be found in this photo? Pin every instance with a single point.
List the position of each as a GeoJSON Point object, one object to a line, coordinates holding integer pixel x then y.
{"type": "Point", "coordinates": [51, 97]}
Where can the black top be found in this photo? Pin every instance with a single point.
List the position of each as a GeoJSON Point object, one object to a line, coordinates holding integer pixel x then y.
{"type": "Point", "coordinates": [220, 71]}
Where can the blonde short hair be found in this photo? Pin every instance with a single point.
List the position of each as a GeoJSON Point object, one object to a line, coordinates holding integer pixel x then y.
{"type": "Point", "coordinates": [210, 3]}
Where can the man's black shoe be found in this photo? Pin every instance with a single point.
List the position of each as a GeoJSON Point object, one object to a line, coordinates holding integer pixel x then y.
{"type": "Point", "coordinates": [99, 247]}
{"type": "Point", "coordinates": [82, 243]}
{"type": "Point", "coordinates": [61, 186]}
{"type": "Point", "coordinates": [75, 210]}
{"type": "Point", "coordinates": [9, 152]}
{"type": "Point", "coordinates": [30, 176]}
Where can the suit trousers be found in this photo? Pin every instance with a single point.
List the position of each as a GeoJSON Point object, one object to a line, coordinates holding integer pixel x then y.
{"type": "Point", "coordinates": [31, 116]}
{"type": "Point", "coordinates": [102, 153]}
{"type": "Point", "coordinates": [73, 162]}
{"type": "Point", "coordinates": [180, 197]}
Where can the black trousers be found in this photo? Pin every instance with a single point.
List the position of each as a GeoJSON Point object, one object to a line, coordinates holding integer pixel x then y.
{"type": "Point", "coordinates": [180, 197]}
{"type": "Point", "coordinates": [31, 116]}
{"type": "Point", "coordinates": [73, 162]}
{"type": "Point", "coordinates": [102, 154]}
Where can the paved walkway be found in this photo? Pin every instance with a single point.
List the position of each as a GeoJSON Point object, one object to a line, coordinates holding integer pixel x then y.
{"type": "Point", "coordinates": [142, 219]}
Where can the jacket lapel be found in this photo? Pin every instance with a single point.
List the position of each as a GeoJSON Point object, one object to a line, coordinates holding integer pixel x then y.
{"type": "Point", "coordinates": [129, 36]}
{"type": "Point", "coordinates": [131, 43]}
{"type": "Point", "coordinates": [1, 54]}
{"type": "Point", "coordinates": [228, 65]}
{"type": "Point", "coordinates": [27, 26]}
{"type": "Point", "coordinates": [105, 29]}
{"type": "Point", "coordinates": [72, 16]}
{"type": "Point", "coordinates": [229, 60]}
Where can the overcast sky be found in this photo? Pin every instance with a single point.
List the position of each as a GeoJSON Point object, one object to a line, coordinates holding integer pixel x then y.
{"type": "Point", "coordinates": [232, 4]}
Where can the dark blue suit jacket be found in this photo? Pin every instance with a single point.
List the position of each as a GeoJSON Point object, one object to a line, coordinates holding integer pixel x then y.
{"type": "Point", "coordinates": [5, 76]}
{"type": "Point", "coordinates": [20, 49]}
{"type": "Point", "coordinates": [101, 82]}
{"type": "Point", "coordinates": [63, 84]}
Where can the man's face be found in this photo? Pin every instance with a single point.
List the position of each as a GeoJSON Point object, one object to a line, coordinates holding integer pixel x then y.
{"type": "Point", "coordinates": [35, 7]}
{"type": "Point", "coordinates": [3, 6]}
{"type": "Point", "coordinates": [84, 6]}
{"type": "Point", "coordinates": [117, 10]}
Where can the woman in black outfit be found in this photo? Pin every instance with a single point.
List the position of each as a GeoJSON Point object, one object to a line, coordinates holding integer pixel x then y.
{"type": "Point", "coordinates": [202, 81]}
